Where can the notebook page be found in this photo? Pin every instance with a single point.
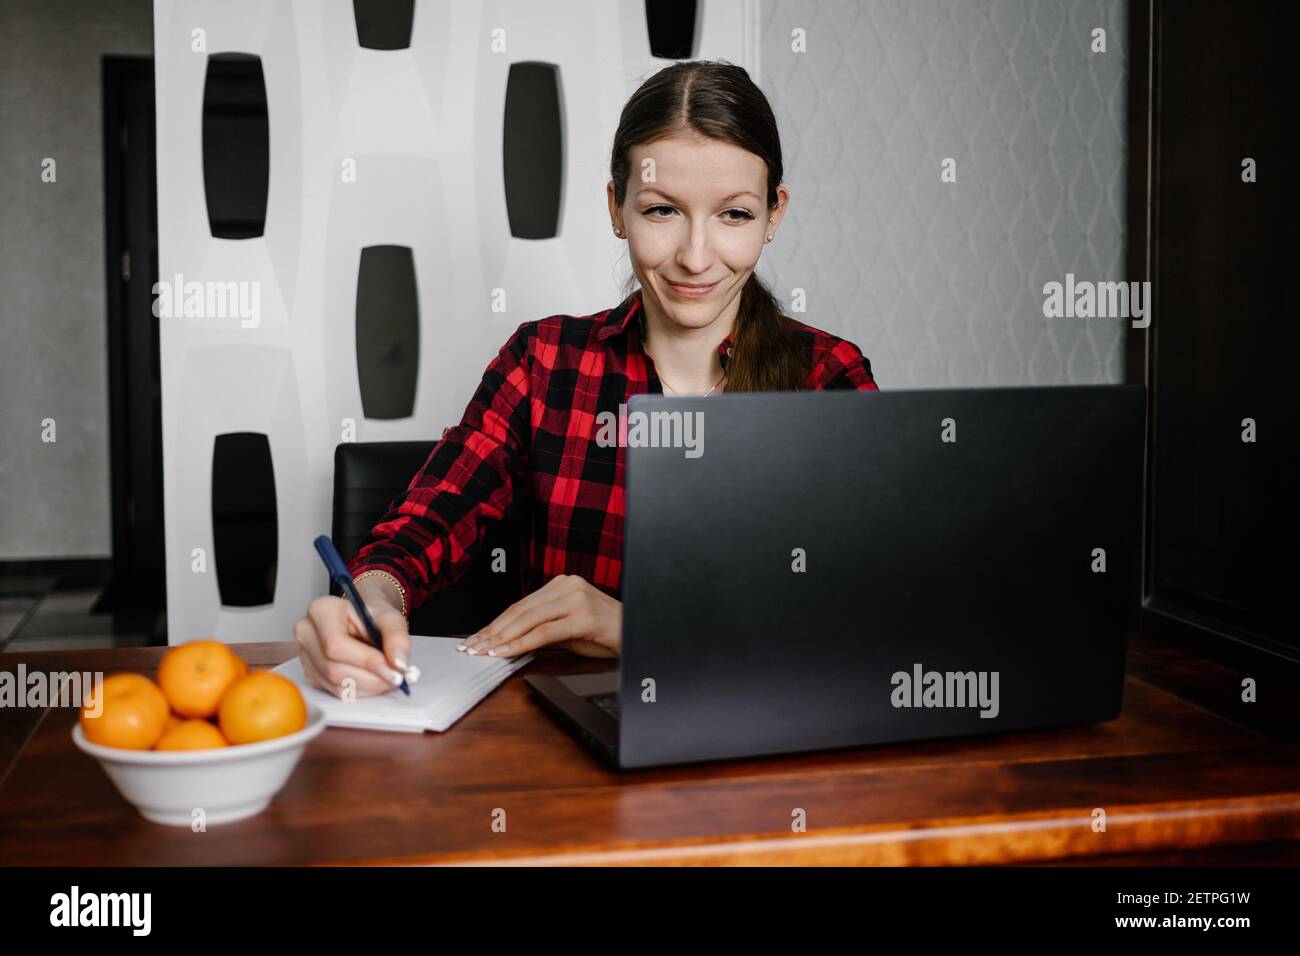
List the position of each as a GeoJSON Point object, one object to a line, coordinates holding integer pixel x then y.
{"type": "Point", "coordinates": [451, 683]}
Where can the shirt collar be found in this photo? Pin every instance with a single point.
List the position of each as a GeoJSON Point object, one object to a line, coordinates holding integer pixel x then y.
{"type": "Point", "coordinates": [625, 314]}
{"type": "Point", "coordinates": [630, 312]}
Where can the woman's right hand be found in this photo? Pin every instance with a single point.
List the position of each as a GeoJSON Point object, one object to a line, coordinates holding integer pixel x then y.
{"type": "Point", "coordinates": [336, 654]}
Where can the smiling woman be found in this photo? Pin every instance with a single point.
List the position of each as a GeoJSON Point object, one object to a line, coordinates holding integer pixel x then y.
{"type": "Point", "coordinates": [697, 192]}
{"type": "Point", "coordinates": [695, 188]}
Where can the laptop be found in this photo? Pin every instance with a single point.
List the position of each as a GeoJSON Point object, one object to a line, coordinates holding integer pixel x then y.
{"type": "Point", "coordinates": [809, 571]}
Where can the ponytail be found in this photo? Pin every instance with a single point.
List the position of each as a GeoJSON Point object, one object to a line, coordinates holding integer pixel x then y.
{"type": "Point", "coordinates": [767, 355]}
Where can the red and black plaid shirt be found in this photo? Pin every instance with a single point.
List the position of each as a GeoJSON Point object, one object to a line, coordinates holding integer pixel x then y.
{"type": "Point", "coordinates": [530, 431]}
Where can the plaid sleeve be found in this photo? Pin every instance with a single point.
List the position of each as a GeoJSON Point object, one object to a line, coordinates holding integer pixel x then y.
{"type": "Point", "coordinates": [433, 530]}
{"type": "Point", "coordinates": [843, 366]}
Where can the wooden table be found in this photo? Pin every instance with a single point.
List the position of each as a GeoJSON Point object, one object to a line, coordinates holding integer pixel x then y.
{"type": "Point", "coordinates": [1174, 780]}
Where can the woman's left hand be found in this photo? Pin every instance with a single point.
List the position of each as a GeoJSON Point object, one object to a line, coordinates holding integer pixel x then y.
{"type": "Point", "coordinates": [567, 610]}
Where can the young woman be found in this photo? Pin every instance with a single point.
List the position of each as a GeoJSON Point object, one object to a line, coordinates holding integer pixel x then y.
{"type": "Point", "coordinates": [695, 189]}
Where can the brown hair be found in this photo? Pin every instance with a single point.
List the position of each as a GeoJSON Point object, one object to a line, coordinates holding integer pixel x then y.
{"type": "Point", "coordinates": [719, 101]}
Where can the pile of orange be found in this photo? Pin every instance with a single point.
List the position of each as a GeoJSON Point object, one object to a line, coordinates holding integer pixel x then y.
{"type": "Point", "coordinates": [204, 697]}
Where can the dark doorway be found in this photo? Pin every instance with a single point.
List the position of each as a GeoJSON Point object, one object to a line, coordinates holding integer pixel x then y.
{"type": "Point", "coordinates": [135, 394]}
{"type": "Point", "coordinates": [1211, 214]}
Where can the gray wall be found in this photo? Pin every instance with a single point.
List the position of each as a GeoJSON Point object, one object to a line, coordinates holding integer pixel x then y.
{"type": "Point", "coordinates": [54, 498]}
{"type": "Point", "coordinates": [941, 283]}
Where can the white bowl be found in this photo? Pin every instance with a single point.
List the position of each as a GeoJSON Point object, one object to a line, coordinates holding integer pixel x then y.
{"type": "Point", "coordinates": [226, 783]}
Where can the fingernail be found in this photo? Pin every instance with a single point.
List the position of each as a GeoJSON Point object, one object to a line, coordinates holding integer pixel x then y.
{"type": "Point", "coordinates": [492, 653]}
{"type": "Point", "coordinates": [396, 678]}
{"type": "Point", "coordinates": [413, 674]}
{"type": "Point", "coordinates": [471, 652]}
{"type": "Point", "coordinates": [401, 664]}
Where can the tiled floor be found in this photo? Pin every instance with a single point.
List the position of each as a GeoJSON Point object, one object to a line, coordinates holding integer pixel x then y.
{"type": "Point", "coordinates": [38, 615]}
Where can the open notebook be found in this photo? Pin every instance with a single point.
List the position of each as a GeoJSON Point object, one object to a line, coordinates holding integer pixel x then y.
{"type": "Point", "coordinates": [451, 682]}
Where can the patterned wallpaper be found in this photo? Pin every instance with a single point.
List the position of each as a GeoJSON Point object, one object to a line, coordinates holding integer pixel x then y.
{"type": "Point", "coordinates": [941, 283]}
{"type": "Point", "coordinates": [368, 147]}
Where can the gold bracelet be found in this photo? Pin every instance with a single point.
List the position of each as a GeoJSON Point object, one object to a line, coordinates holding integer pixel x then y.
{"type": "Point", "coordinates": [396, 583]}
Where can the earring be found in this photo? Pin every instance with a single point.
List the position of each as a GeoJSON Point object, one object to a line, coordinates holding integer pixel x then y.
{"type": "Point", "coordinates": [616, 231]}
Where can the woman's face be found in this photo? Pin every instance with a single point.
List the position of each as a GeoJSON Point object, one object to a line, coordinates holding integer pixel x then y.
{"type": "Point", "coordinates": [695, 212]}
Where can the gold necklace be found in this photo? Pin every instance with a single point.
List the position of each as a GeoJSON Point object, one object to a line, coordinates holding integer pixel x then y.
{"type": "Point", "coordinates": [709, 392]}
{"type": "Point", "coordinates": [645, 347]}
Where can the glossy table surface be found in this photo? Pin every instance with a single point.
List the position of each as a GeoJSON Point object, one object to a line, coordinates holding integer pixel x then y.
{"type": "Point", "coordinates": [1172, 778]}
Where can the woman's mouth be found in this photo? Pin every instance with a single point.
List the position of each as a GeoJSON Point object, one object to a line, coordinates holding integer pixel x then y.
{"type": "Point", "coordinates": [691, 292]}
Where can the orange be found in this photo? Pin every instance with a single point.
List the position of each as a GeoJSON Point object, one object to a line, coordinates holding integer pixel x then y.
{"type": "Point", "coordinates": [194, 676]}
{"type": "Point", "coordinates": [261, 706]}
{"type": "Point", "coordinates": [172, 723]}
{"type": "Point", "coordinates": [192, 735]}
{"type": "Point", "coordinates": [134, 713]}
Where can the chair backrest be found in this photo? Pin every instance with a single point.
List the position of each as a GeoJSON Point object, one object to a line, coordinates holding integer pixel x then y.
{"type": "Point", "coordinates": [367, 477]}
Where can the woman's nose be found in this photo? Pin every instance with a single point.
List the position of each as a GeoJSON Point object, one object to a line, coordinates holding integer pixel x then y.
{"type": "Point", "coordinates": [695, 254]}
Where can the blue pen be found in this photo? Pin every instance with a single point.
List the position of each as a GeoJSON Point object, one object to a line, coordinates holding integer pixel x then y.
{"type": "Point", "coordinates": [340, 576]}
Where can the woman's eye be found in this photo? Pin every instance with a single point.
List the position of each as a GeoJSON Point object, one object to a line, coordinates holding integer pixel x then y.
{"type": "Point", "coordinates": [741, 215]}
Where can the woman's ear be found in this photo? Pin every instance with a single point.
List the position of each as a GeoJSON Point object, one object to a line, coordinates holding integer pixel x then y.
{"type": "Point", "coordinates": [613, 207]}
{"type": "Point", "coordinates": [778, 212]}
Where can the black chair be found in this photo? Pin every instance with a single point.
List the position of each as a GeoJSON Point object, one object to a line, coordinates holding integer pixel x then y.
{"type": "Point", "coordinates": [367, 477]}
